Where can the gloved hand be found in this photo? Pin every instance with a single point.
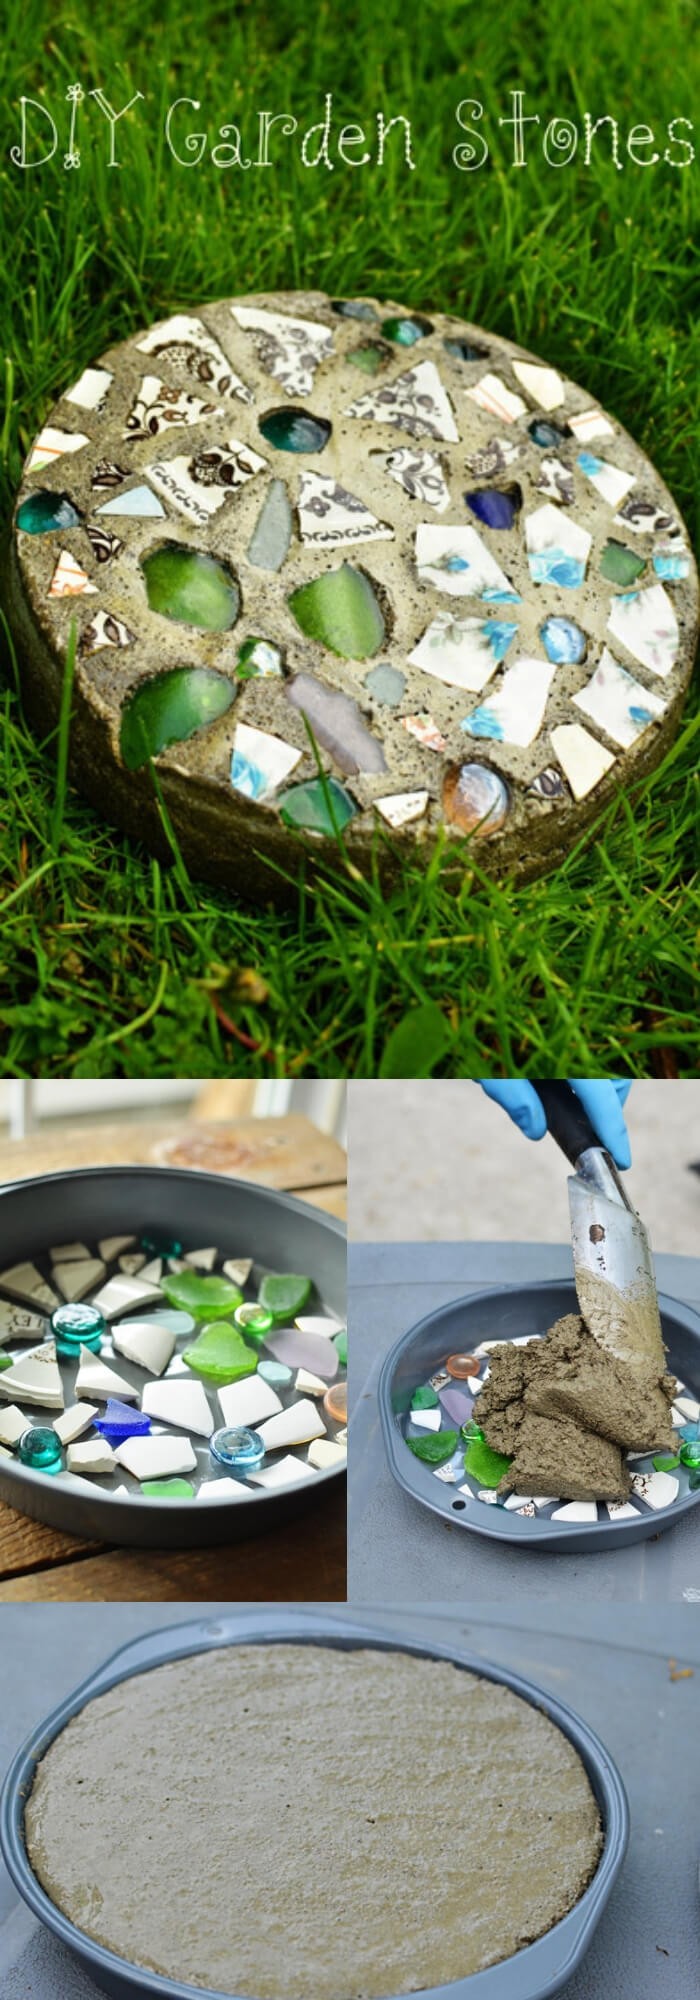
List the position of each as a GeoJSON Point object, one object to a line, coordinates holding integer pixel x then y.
{"type": "Point", "coordinates": [602, 1100]}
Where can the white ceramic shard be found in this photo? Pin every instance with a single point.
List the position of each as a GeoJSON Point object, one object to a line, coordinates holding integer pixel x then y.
{"type": "Point", "coordinates": [609, 481]}
{"type": "Point", "coordinates": [491, 394]}
{"type": "Point", "coordinates": [457, 561]}
{"type": "Point", "coordinates": [90, 390]}
{"type": "Point", "coordinates": [474, 1385]}
{"type": "Point", "coordinates": [12, 1425]}
{"type": "Point", "coordinates": [295, 1425]}
{"type": "Point", "coordinates": [426, 1420]}
{"type": "Point", "coordinates": [24, 1282]}
{"type": "Point", "coordinates": [558, 547]}
{"type": "Point", "coordinates": [238, 1269]}
{"type": "Point", "coordinates": [330, 517]}
{"type": "Point", "coordinates": [420, 474]}
{"type": "Point", "coordinates": [689, 1408]}
{"type": "Point", "coordinates": [124, 1294]}
{"type": "Point", "coordinates": [248, 1402]}
{"type": "Point", "coordinates": [156, 1457]}
{"type": "Point", "coordinates": [617, 702]}
{"type": "Point", "coordinates": [425, 731]}
{"type": "Point", "coordinates": [52, 444]}
{"type": "Point", "coordinates": [402, 808]}
{"type": "Point", "coordinates": [514, 712]}
{"type": "Point", "coordinates": [75, 1280]}
{"type": "Point", "coordinates": [202, 1260]}
{"type": "Point", "coordinates": [517, 1500]}
{"type": "Point", "coordinates": [35, 1379]}
{"type": "Point", "coordinates": [646, 623]}
{"type": "Point", "coordinates": [70, 579]}
{"type": "Point", "coordinates": [587, 424]}
{"type": "Point", "coordinates": [74, 1421]}
{"type": "Point", "coordinates": [68, 1253]}
{"type": "Point", "coordinates": [287, 1472]}
{"type": "Point", "coordinates": [656, 1489]}
{"type": "Point", "coordinates": [157, 407]}
{"type": "Point", "coordinates": [131, 1262]}
{"type": "Point", "coordinates": [326, 1326]}
{"type": "Point", "coordinates": [181, 1403]}
{"type": "Point", "coordinates": [415, 402]}
{"type": "Point", "coordinates": [543, 385]}
{"type": "Point", "coordinates": [324, 1452]}
{"type": "Point", "coordinates": [547, 1499]}
{"type": "Point", "coordinates": [150, 1346]}
{"type": "Point", "coordinates": [621, 1510]}
{"type": "Point", "coordinates": [309, 1385]}
{"type": "Point", "coordinates": [288, 348]}
{"type": "Point", "coordinates": [112, 1246]}
{"type": "Point", "coordinates": [104, 631]}
{"type": "Point", "coordinates": [576, 1510]}
{"type": "Point", "coordinates": [463, 652]}
{"type": "Point", "coordinates": [260, 762]}
{"type": "Point", "coordinates": [678, 1420]}
{"type": "Point", "coordinates": [557, 482]}
{"type": "Point", "coordinates": [447, 1473]}
{"type": "Point", "coordinates": [583, 761]}
{"type": "Point", "coordinates": [94, 1378]}
{"type": "Point", "coordinates": [189, 339]}
{"type": "Point", "coordinates": [95, 1456]}
{"type": "Point", "coordinates": [222, 1489]}
{"type": "Point", "coordinates": [151, 1274]}
{"type": "Point", "coordinates": [138, 501]}
{"type": "Point", "coordinates": [487, 1494]}
{"type": "Point", "coordinates": [18, 1324]}
{"type": "Point", "coordinates": [176, 479]}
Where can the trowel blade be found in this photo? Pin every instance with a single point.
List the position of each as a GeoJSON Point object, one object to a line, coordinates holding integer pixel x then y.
{"type": "Point", "coordinates": [613, 1267]}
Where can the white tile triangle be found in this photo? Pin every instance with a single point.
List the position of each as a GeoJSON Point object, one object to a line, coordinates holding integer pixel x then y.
{"type": "Point", "coordinates": [35, 1379]}
{"type": "Point", "coordinates": [248, 1402]}
{"type": "Point", "coordinates": [179, 1402]}
{"type": "Point", "coordinates": [94, 1378]}
{"type": "Point", "coordinates": [287, 1472]}
{"type": "Point", "coordinates": [74, 1280]}
{"type": "Point", "coordinates": [121, 1295]}
{"type": "Point", "coordinates": [24, 1282]}
{"type": "Point", "coordinates": [238, 1269]}
{"type": "Point", "coordinates": [293, 1426]}
{"type": "Point", "coordinates": [202, 1260]}
{"type": "Point", "coordinates": [111, 1246]}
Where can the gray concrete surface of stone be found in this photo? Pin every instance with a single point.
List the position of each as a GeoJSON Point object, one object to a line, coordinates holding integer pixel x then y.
{"type": "Point", "coordinates": [613, 1672]}
{"type": "Point", "coordinates": [397, 1550]}
{"type": "Point", "coordinates": [438, 1159]}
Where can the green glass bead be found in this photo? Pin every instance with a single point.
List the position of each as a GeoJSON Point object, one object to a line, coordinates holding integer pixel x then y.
{"type": "Point", "coordinates": [220, 1354]}
{"type": "Point", "coordinates": [254, 1321]}
{"type": "Point", "coordinates": [167, 1489]}
{"type": "Point", "coordinates": [295, 430]}
{"type": "Point", "coordinates": [620, 565]}
{"type": "Point", "coordinates": [169, 708]}
{"type": "Point", "coordinates": [41, 1449]}
{"type": "Point", "coordinates": [470, 1431]}
{"type": "Point", "coordinates": [258, 659]}
{"type": "Point", "coordinates": [424, 1398]}
{"type": "Point", "coordinates": [321, 805]}
{"type": "Point", "coordinates": [76, 1326]}
{"type": "Point", "coordinates": [690, 1453]}
{"type": "Point", "coordinates": [284, 1294]}
{"type": "Point", "coordinates": [44, 512]}
{"type": "Point", "coordinates": [484, 1465]}
{"type": "Point", "coordinates": [207, 1298]}
{"type": "Point", "coordinates": [668, 1464]}
{"type": "Point", "coordinates": [340, 1343]}
{"type": "Point", "coordinates": [435, 1448]}
{"type": "Point", "coordinates": [192, 588]}
{"type": "Point", "coordinates": [341, 611]}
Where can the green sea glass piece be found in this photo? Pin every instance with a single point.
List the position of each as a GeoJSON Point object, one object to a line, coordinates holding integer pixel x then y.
{"type": "Point", "coordinates": [368, 359]}
{"type": "Point", "coordinates": [483, 1464]}
{"type": "Point", "coordinates": [258, 659]}
{"type": "Point", "coordinates": [669, 1464]}
{"type": "Point", "coordinates": [340, 1343]}
{"type": "Point", "coordinates": [386, 684]}
{"type": "Point", "coordinates": [207, 1298]}
{"type": "Point", "coordinates": [322, 805]}
{"type": "Point", "coordinates": [167, 1489]}
{"type": "Point", "coordinates": [689, 1454]}
{"type": "Point", "coordinates": [435, 1449]}
{"type": "Point", "coordinates": [340, 610]}
{"type": "Point", "coordinates": [272, 533]}
{"type": "Point", "coordinates": [191, 587]}
{"type": "Point", "coordinates": [424, 1398]}
{"type": "Point", "coordinates": [620, 565]}
{"type": "Point", "coordinates": [220, 1354]}
{"type": "Point", "coordinates": [45, 511]}
{"type": "Point", "coordinates": [295, 430]}
{"type": "Point", "coordinates": [6, 1361]}
{"type": "Point", "coordinates": [405, 332]}
{"type": "Point", "coordinates": [169, 708]}
{"type": "Point", "coordinates": [284, 1294]}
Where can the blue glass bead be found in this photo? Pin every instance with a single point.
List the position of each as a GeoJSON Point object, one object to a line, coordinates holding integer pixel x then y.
{"type": "Point", "coordinates": [40, 1449]}
{"type": "Point", "coordinates": [237, 1449]}
{"type": "Point", "coordinates": [76, 1326]}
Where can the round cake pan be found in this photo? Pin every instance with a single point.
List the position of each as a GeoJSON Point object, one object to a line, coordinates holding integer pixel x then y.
{"type": "Point", "coordinates": [276, 1230]}
{"type": "Point", "coordinates": [539, 1970]}
{"type": "Point", "coordinates": [510, 1312]}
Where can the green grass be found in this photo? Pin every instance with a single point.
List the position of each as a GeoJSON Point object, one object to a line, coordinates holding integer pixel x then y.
{"type": "Point", "coordinates": [112, 964]}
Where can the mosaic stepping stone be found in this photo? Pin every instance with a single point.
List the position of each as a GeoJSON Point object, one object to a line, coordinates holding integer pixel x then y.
{"type": "Point", "coordinates": [350, 469]}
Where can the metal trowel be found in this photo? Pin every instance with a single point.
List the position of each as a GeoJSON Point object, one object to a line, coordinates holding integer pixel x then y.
{"type": "Point", "coordinates": [613, 1265]}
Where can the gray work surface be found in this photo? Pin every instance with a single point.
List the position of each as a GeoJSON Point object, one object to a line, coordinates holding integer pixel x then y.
{"type": "Point", "coordinates": [615, 1673]}
{"type": "Point", "coordinates": [399, 1552]}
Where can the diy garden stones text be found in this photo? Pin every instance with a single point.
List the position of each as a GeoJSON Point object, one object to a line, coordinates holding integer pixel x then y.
{"type": "Point", "coordinates": [516, 137]}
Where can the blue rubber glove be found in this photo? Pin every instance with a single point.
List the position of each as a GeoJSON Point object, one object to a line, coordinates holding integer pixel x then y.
{"type": "Point", "coordinates": [602, 1100]}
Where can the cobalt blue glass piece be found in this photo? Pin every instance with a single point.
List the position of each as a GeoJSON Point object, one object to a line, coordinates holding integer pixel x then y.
{"type": "Point", "coordinates": [547, 435]}
{"type": "Point", "coordinates": [238, 1450]}
{"type": "Point", "coordinates": [496, 508]}
{"type": "Point", "coordinates": [120, 1422]}
{"type": "Point", "coordinates": [563, 641]}
{"type": "Point", "coordinates": [75, 1326]}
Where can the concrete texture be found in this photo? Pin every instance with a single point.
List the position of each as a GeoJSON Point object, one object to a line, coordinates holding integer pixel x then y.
{"type": "Point", "coordinates": [616, 1676]}
{"type": "Point", "coordinates": [439, 1160]}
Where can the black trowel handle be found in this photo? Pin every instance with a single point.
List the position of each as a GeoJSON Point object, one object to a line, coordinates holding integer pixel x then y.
{"type": "Point", "coordinates": [566, 1119]}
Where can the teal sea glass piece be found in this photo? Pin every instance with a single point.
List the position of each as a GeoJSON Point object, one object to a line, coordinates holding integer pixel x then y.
{"type": "Point", "coordinates": [161, 1246]}
{"type": "Point", "coordinates": [272, 533]}
{"type": "Point", "coordinates": [192, 588]}
{"type": "Point", "coordinates": [340, 1343]}
{"type": "Point", "coordinates": [484, 1465]}
{"type": "Point", "coordinates": [620, 565]}
{"type": "Point", "coordinates": [405, 332]}
{"type": "Point", "coordinates": [284, 1294]}
{"type": "Point", "coordinates": [167, 1489]}
{"type": "Point", "coordinates": [341, 611]}
{"type": "Point", "coordinates": [319, 806]}
{"type": "Point", "coordinates": [220, 1354]}
{"type": "Point", "coordinates": [386, 684]}
{"type": "Point", "coordinates": [76, 1326]}
{"type": "Point", "coordinates": [206, 1298]}
{"type": "Point", "coordinates": [275, 1373]}
{"type": "Point", "coordinates": [296, 430]}
{"type": "Point", "coordinates": [258, 659]}
{"type": "Point", "coordinates": [169, 708]}
{"type": "Point", "coordinates": [434, 1449]}
{"type": "Point", "coordinates": [40, 1449]}
{"type": "Point", "coordinates": [44, 512]}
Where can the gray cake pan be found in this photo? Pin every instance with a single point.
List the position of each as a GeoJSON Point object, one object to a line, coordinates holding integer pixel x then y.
{"type": "Point", "coordinates": [504, 1313]}
{"type": "Point", "coordinates": [536, 1972]}
{"type": "Point", "coordinates": [242, 1219]}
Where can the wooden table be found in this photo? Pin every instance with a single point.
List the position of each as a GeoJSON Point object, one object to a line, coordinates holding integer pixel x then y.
{"type": "Point", "coordinates": [304, 1561]}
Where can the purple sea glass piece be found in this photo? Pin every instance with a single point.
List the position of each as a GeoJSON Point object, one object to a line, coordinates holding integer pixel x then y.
{"type": "Point", "coordinates": [304, 1350]}
{"type": "Point", "coordinates": [336, 721]}
{"type": "Point", "coordinates": [120, 1422]}
{"type": "Point", "coordinates": [456, 1405]}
